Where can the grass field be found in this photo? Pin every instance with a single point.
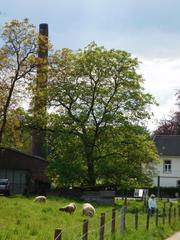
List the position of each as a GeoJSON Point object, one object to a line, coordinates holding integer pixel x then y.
{"type": "Point", "coordinates": [21, 219]}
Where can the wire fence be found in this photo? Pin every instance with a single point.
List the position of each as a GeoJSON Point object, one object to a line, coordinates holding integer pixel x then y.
{"type": "Point", "coordinates": [116, 222]}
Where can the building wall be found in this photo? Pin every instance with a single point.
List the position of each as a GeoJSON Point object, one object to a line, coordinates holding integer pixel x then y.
{"type": "Point", "coordinates": [17, 179]}
{"type": "Point", "coordinates": [167, 179]}
{"type": "Point", "coordinates": [25, 172]}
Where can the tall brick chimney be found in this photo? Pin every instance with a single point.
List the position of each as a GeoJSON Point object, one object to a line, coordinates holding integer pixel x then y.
{"type": "Point", "coordinates": [39, 109]}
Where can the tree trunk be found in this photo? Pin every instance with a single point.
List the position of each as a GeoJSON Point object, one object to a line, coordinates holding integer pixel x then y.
{"type": "Point", "coordinates": [91, 174]}
{"type": "Point", "coordinates": [88, 149]}
{"type": "Point", "coordinates": [6, 107]}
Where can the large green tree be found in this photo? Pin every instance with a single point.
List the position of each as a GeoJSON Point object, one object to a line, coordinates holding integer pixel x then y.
{"type": "Point", "coordinates": [122, 157]}
{"type": "Point", "coordinates": [98, 95]}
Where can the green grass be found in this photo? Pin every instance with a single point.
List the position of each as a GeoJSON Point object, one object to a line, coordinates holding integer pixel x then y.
{"type": "Point", "coordinates": [23, 219]}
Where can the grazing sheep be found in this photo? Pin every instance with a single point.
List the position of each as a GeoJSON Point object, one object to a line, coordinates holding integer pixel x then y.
{"type": "Point", "coordinates": [40, 199]}
{"type": "Point", "coordinates": [70, 208]}
{"type": "Point", "coordinates": [88, 210]}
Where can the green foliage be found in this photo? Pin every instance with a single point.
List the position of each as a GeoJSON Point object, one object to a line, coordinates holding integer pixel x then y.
{"type": "Point", "coordinates": [100, 102]}
{"type": "Point", "coordinates": [126, 157]}
{"type": "Point", "coordinates": [96, 134]}
{"type": "Point", "coordinates": [98, 85]}
{"type": "Point", "coordinates": [19, 78]}
{"type": "Point", "coordinates": [17, 134]}
{"type": "Point", "coordinates": [67, 166]}
{"type": "Point", "coordinates": [18, 61]}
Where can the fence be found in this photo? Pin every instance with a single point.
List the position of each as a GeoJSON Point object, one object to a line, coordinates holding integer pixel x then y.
{"type": "Point", "coordinates": [111, 224]}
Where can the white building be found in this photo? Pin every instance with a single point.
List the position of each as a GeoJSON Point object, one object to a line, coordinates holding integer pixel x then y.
{"type": "Point", "coordinates": [168, 170]}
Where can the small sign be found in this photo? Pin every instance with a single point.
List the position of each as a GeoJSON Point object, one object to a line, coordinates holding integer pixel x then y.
{"type": "Point", "coordinates": [140, 192]}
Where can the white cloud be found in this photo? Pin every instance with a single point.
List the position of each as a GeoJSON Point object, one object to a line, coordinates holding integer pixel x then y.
{"type": "Point", "coordinates": [162, 81]}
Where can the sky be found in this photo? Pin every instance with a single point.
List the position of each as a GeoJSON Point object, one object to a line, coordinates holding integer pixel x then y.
{"type": "Point", "coordinates": [148, 29]}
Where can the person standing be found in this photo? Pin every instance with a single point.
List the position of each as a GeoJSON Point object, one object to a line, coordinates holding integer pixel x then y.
{"type": "Point", "coordinates": [152, 204]}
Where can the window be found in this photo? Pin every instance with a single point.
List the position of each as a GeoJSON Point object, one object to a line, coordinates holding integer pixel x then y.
{"type": "Point", "coordinates": [167, 166]}
{"type": "Point", "coordinates": [178, 183]}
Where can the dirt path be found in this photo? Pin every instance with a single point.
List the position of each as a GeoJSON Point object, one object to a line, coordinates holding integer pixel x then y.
{"type": "Point", "coordinates": [176, 236]}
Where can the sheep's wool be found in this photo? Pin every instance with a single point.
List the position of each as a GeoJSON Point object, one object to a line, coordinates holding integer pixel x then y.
{"type": "Point", "coordinates": [88, 210]}
{"type": "Point", "coordinates": [40, 199]}
{"type": "Point", "coordinates": [70, 208]}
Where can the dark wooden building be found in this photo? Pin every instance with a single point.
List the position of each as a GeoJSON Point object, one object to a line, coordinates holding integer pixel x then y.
{"type": "Point", "coordinates": [25, 172]}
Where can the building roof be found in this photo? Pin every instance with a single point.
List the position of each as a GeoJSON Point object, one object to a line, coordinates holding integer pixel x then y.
{"type": "Point", "coordinates": [11, 158]}
{"type": "Point", "coordinates": [3, 149]}
{"type": "Point", "coordinates": [168, 145]}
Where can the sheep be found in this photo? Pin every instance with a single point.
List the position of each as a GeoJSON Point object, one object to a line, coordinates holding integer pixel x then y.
{"type": "Point", "coordinates": [88, 210]}
{"type": "Point", "coordinates": [40, 199]}
{"type": "Point", "coordinates": [70, 208]}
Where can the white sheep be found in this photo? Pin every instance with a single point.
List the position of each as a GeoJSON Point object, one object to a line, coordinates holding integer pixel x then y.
{"type": "Point", "coordinates": [40, 199]}
{"type": "Point", "coordinates": [88, 210]}
{"type": "Point", "coordinates": [70, 208]}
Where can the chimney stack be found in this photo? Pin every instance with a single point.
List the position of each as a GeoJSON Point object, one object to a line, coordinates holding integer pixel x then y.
{"type": "Point", "coordinates": [39, 109]}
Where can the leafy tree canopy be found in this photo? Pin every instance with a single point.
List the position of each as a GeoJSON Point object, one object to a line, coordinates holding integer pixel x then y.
{"type": "Point", "coordinates": [98, 97]}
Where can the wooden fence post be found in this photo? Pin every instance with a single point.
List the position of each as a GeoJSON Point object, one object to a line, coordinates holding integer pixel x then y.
{"type": "Point", "coordinates": [147, 220]}
{"type": "Point", "coordinates": [169, 215]}
{"type": "Point", "coordinates": [125, 201]}
{"type": "Point", "coordinates": [179, 212]}
{"type": "Point", "coordinates": [163, 215]}
{"type": "Point", "coordinates": [102, 226]}
{"type": "Point", "coordinates": [85, 230]}
{"type": "Point", "coordinates": [136, 218]}
{"type": "Point", "coordinates": [113, 225]}
{"type": "Point", "coordinates": [157, 215]}
{"type": "Point", "coordinates": [122, 219]}
{"type": "Point", "coordinates": [174, 212]}
{"type": "Point", "coordinates": [58, 234]}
